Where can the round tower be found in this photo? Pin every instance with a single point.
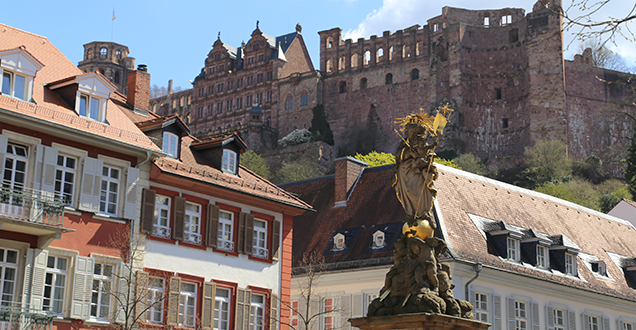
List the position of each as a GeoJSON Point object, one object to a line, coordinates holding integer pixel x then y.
{"type": "Point", "coordinates": [111, 59]}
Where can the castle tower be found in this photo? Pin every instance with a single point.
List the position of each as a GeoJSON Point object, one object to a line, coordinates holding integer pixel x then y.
{"type": "Point", "coordinates": [111, 59]}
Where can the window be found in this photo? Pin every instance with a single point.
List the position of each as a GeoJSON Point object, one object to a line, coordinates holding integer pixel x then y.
{"type": "Point", "coordinates": [187, 304]}
{"type": "Point", "coordinates": [269, 97]}
{"type": "Point", "coordinates": [14, 85]}
{"type": "Point", "coordinates": [156, 291]}
{"type": "Point", "coordinates": [116, 78]}
{"type": "Point", "coordinates": [210, 90]}
{"type": "Point", "coordinates": [486, 21]}
{"type": "Point", "coordinates": [497, 93]}
{"type": "Point", "coordinates": [170, 143]}
{"type": "Point", "coordinates": [378, 240]}
{"type": "Point", "coordinates": [363, 83]}
{"type": "Point", "coordinates": [259, 78]}
{"type": "Point", "coordinates": [415, 74]}
{"type": "Point", "coordinates": [521, 315]}
{"type": "Point", "coordinates": [598, 268]}
{"type": "Point", "coordinates": [248, 101]}
{"type": "Point", "coordinates": [541, 256]}
{"type": "Point", "coordinates": [201, 92]}
{"type": "Point", "coordinates": [627, 326]}
{"type": "Point", "coordinates": [229, 161]}
{"type": "Point", "coordinates": [239, 103]}
{"type": "Point", "coordinates": [14, 177]}
{"type": "Point", "coordinates": [559, 319]}
{"type": "Point", "coordinates": [222, 309]}
{"type": "Point", "coordinates": [100, 293]}
{"type": "Point", "coordinates": [250, 60]}
{"type": "Point", "coordinates": [304, 98]}
{"type": "Point", "coordinates": [289, 102]}
{"type": "Point", "coordinates": [257, 312]}
{"type": "Point", "coordinates": [435, 27]}
{"type": "Point", "coordinates": [506, 19]}
{"type": "Point", "coordinates": [89, 107]}
{"type": "Point", "coordinates": [108, 198]}
{"type": "Point", "coordinates": [65, 178]}
{"type": "Point", "coordinates": [55, 284]}
{"type": "Point", "coordinates": [239, 83]}
{"type": "Point", "coordinates": [219, 107]}
{"type": "Point", "coordinates": [513, 249]}
{"type": "Point", "coordinates": [229, 105]}
{"type": "Point", "coordinates": [226, 231]}
{"type": "Point", "coordinates": [367, 57]}
{"type": "Point", "coordinates": [192, 223]}
{"type": "Point", "coordinates": [504, 122]}
{"type": "Point", "coordinates": [342, 88]}
{"type": "Point", "coordinates": [103, 52]}
{"type": "Point", "coordinates": [230, 85]}
{"type": "Point", "coordinates": [260, 239]}
{"type": "Point", "coordinates": [259, 98]}
{"type": "Point", "coordinates": [388, 79]}
{"type": "Point", "coordinates": [219, 88]}
{"type": "Point", "coordinates": [338, 242]}
{"type": "Point", "coordinates": [161, 222]}
{"type": "Point", "coordinates": [250, 80]}
{"type": "Point", "coordinates": [481, 307]}
{"type": "Point", "coordinates": [570, 264]}
{"type": "Point", "coordinates": [8, 274]}
{"type": "Point", "coordinates": [327, 309]}
{"type": "Point", "coordinates": [210, 111]}
{"type": "Point", "coordinates": [270, 74]}
{"type": "Point", "coordinates": [593, 322]}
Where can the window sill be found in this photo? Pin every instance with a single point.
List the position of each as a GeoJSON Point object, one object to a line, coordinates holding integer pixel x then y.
{"type": "Point", "coordinates": [103, 216]}
{"type": "Point", "coordinates": [149, 325]}
{"type": "Point", "coordinates": [267, 261]}
{"type": "Point", "coordinates": [161, 239]}
{"type": "Point", "coordinates": [194, 246]}
{"type": "Point", "coordinates": [227, 253]}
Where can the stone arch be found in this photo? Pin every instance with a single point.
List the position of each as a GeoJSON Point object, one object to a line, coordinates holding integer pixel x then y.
{"type": "Point", "coordinates": [367, 57]}
{"type": "Point", "coordinates": [329, 66]}
{"type": "Point", "coordinates": [341, 63]}
{"type": "Point", "coordinates": [89, 54]}
{"type": "Point", "coordinates": [329, 42]}
{"type": "Point", "coordinates": [354, 60]}
{"type": "Point", "coordinates": [415, 74]}
{"type": "Point", "coordinates": [379, 54]}
{"type": "Point", "coordinates": [391, 53]}
{"type": "Point", "coordinates": [363, 83]}
{"type": "Point", "coordinates": [388, 79]}
{"type": "Point", "coordinates": [103, 52]}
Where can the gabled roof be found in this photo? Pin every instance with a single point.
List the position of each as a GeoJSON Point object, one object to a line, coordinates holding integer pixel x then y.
{"type": "Point", "coordinates": [50, 109]}
{"type": "Point", "coordinates": [218, 140]}
{"type": "Point", "coordinates": [465, 202]}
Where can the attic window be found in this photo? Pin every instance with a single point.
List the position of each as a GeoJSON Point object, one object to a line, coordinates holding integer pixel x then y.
{"type": "Point", "coordinates": [18, 69]}
{"type": "Point", "coordinates": [229, 161]}
{"type": "Point", "coordinates": [599, 268]}
{"type": "Point", "coordinates": [513, 249]}
{"type": "Point", "coordinates": [338, 242]}
{"type": "Point", "coordinates": [542, 259]}
{"type": "Point", "coordinates": [378, 240]}
{"type": "Point", "coordinates": [570, 264]}
{"type": "Point", "coordinates": [91, 107]}
{"type": "Point", "coordinates": [13, 85]}
{"type": "Point", "coordinates": [170, 144]}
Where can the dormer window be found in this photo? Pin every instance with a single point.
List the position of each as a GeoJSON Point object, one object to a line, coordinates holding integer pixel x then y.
{"type": "Point", "coordinates": [599, 268]}
{"type": "Point", "coordinates": [513, 249]}
{"type": "Point", "coordinates": [338, 242]}
{"type": "Point", "coordinates": [542, 256]}
{"type": "Point", "coordinates": [13, 85]}
{"type": "Point", "coordinates": [170, 143]}
{"type": "Point", "coordinates": [91, 107]}
{"type": "Point", "coordinates": [570, 264]}
{"type": "Point", "coordinates": [229, 161]}
{"type": "Point", "coordinates": [18, 69]}
{"type": "Point", "coordinates": [378, 240]}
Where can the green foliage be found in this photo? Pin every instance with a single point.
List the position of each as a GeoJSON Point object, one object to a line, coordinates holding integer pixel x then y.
{"type": "Point", "coordinates": [609, 199]}
{"type": "Point", "coordinates": [449, 163]}
{"type": "Point", "coordinates": [296, 171]}
{"type": "Point", "coordinates": [320, 130]}
{"type": "Point", "coordinates": [630, 170]}
{"type": "Point", "coordinates": [547, 162]}
{"type": "Point", "coordinates": [576, 191]}
{"type": "Point", "coordinates": [471, 163]}
{"type": "Point", "coordinates": [255, 163]}
{"type": "Point", "coordinates": [375, 158]}
{"type": "Point", "coordinates": [590, 169]}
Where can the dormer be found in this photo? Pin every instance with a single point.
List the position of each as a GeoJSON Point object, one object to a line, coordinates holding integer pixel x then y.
{"type": "Point", "coordinates": [338, 242]}
{"type": "Point", "coordinates": [506, 240]}
{"type": "Point", "coordinates": [166, 132]}
{"type": "Point", "coordinates": [87, 94]}
{"type": "Point", "coordinates": [343, 241]}
{"type": "Point", "coordinates": [595, 265]}
{"type": "Point", "coordinates": [18, 68]}
{"type": "Point", "coordinates": [378, 240]}
{"type": "Point", "coordinates": [222, 151]}
{"type": "Point", "coordinates": [563, 253]}
{"type": "Point", "coordinates": [534, 249]}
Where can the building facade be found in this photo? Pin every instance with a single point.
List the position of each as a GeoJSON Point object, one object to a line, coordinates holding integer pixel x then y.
{"type": "Point", "coordinates": [525, 260]}
{"type": "Point", "coordinates": [111, 60]}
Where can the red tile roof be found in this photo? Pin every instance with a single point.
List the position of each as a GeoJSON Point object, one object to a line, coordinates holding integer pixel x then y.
{"type": "Point", "coordinates": [460, 195]}
{"type": "Point", "coordinates": [48, 106]}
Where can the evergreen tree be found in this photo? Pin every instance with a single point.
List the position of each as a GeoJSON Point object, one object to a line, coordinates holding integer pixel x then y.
{"type": "Point", "coordinates": [320, 130]}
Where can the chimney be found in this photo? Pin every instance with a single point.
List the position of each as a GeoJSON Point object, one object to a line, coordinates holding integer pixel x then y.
{"type": "Point", "coordinates": [170, 87]}
{"type": "Point", "coordinates": [139, 88]}
{"type": "Point", "coordinates": [348, 171]}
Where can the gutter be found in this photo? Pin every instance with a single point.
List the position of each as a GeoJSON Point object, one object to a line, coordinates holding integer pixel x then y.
{"type": "Point", "coordinates": [477, 267]}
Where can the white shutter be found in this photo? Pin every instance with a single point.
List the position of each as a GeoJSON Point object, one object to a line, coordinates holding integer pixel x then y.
{"type": "Point", "coordinates": [586, 322]}
{"type": "Point", "coordinates": [125, 299]}
{"type": "Point", "coordinates": [302, 312]}
{"type": "Point", "coordinates": [496, 303]}
{"type": "Point", "coordinates": [3, 150]}
{"type": "Point", "coordinates": [48, 170]}
{"type": "Point", "coordinates": [471, 299]}
{"type": "Point", "coordinates": [606, 323]}
{"type": "Point", "coordinates": [549, 316]}
{"type": "Point", "coordinates": [571, 320]}
{"type": "Point", "coordinates": [91, 180]}
{"type": "Point", "coordinates": [39, 164]}
{"type": "Point", "coordinates": [345, 311]}
{"type": "Point", "coordinates": [81, 303]}
{"type": "Point", "coordinates": [512, 324]}
{"type": "Point", "coordinates": [39, 274]}
{"type": "Point", "coordinates": [130, 203]}
{"type": "Point", "coordinates": [357, 303]}
{"type": "Point", "coordinates": [314, 309]}
{"type": "Point", "coordinates": [620, 323]}
{"type": "Point", "coordinates": [28, 271]}
{"type": "Point", "coordinates": [535, 316]}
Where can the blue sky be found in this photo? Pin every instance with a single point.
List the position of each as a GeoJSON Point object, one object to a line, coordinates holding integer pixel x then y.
{"type": "Point", "coordinates": [173, 38]}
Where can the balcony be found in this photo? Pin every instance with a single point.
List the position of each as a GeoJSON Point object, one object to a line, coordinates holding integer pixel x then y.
{"type": "Point", "coordinates": [15, 317]}
{"type": "Point", "coordinates": [32, 212]}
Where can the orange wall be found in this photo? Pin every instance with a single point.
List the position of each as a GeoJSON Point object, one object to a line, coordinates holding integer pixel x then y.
{"type": "Point", "coordinates": [90, 235]}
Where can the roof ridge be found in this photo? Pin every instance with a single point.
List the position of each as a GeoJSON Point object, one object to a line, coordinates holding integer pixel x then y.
{"type": "Point", "coordinates": [23, 31]}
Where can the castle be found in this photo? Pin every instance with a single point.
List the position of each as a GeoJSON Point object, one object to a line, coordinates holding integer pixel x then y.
{"type": "Point", "coordinates": [502, 71]}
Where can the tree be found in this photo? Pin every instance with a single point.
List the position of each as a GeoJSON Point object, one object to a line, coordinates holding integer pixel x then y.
{"type": "Point", "coordinates": [630, 170]}
{"type": "Point", "coordinates": [320, 130]}
{"type": "Point", "coordinates": [547, 161]}
{"type": "Point", "coordinates": [602, 57]}
{"type": "Point", "coordinates": [576, 191]}
{"type": "Point", "coordinates": [296, 171]}
{"type": "Point", "coordinates": [156, 91]}
{"type": "Point", "coordinates": [586, 18]}
{"type": "Point", "coordinates": [375, 158]}
{"type": "Point", "coordinates": [590, 169]}
{"type": "Point", "coordinates": [471, 163]}
{"type": "Point", "coordinates": [255, 163]}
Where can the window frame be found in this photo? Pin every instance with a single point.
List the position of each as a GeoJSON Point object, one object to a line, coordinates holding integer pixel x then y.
{"type": "Point", "coordinates": [521, 321]}
{"type": "Point", "coordinates": [156, 306]}
{"type": "Point", "coordinates": [514, 249]}
{"type": "Point", "coordinates": [56, 272]}
{"type": "Point", "coordinates": [479, 302]}
{"type": "Point", "coordinates": [110, 181]}
{"type": "Point", "coordinates": [570, 264]}
{"type": "Point", "coordinates": [13, 83]}
{"type": "Point", "coordinates": [184, 297]}
{"type": "Point", "coordinates": [260, 235]}
{"type": "Point", "coordinates": [542, 258]}
{"type": "Point", "coordinates": [170, 144]}
{"type": "Point", "coordinates": [100, 107]}
{"type": "Point", "coordinates": [557, 325]}
{"type": "Point", "coordinates": [254, 307]}
{"type": "Point", "coordinates": [159, 230]}
{"type": "Point", "coordinates": [101, 278]}
{"type": "Point", "coordinates": [190, 236]}
{"type": "Point", "coordinates": [289, 102]}
{"type": "Point", "coordinates": [224, 223]}
{"type": "Point", "coordinates": [221, 300]}
{"type": "Point", "coordinates": [229, 162]}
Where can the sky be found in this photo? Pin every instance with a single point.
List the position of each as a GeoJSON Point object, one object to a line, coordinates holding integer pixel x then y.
{"type": "Point", "coordinates": [174, 37]}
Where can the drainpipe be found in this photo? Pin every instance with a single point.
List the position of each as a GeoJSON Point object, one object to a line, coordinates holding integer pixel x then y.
{"type": "Point", "coordinates": [149, 153]}
{"type": "Point", "coordinates": [477, 267]}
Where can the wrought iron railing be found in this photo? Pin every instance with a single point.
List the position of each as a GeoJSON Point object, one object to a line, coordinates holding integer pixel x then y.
{"type": "Point", "coordinates": [260, 252]}
{"type": "Point", "coordinates": [31, 205]}
{"type": "Point", "coordinates": [225, 245]}
{"type": "Point", "coordinates": [160, 231]}
{"type": "Point", "coordinates": [15, 317]}
{"type": "Point", "coordinates": [192, 238]}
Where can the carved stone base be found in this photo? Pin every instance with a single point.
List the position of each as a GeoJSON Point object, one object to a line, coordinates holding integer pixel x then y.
{"type": "Point", "coordinates": [418, 321]}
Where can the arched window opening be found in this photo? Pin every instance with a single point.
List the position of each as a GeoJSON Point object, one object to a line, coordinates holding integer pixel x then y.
{"type": "Point", "coordinates": [118, 54]}
{"type": "Point", "coordinates": [363, 83]}
{"type": "Point", "coordinates": [103, 52]}
{"type": "Point", "coordinates": [89, 53]}
{"type": "Point", "coordinates": [417, 49]}
{"type": "Point", "coordinates": [379, 54]}
{"type": "Point", "coordinates": [415, 74]}
{"type": "Point", "coordinates": [304, 98]}
{"type": "Point", "coordinates": [388, 79]}
{"type": "Point", "coordinates": [329, 66]}
{"type": "Point", "coordinates": [391, 54]}
{"type": "Point", "coordinates": [367, 57]}
{"type": "Point", "coordinates": [341, 63]}
{"type": "Point", "coordinates": [506, 17]}
{"type": "Point", "coordinates": [354, 60]}
{"type": "Point", "coordinates": [342, 87]}
{"type": "Point", "coordinates": [116, 77]}
{"type": "Point", "coordinates": [486, 20]}
{"type": "Point", "coordinates": [289, 102]}
{"type": "Point", "coordinates": [329, 43]}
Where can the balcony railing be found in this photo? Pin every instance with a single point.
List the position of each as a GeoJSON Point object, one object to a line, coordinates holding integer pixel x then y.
{"type": "Point", "coordinates": [160, 231]}
{"type": "Point", "coordinates": [225, 245]}
{"type": "Point", "coordinates": [260, 252]}
{"type": "Point", "coordinates": [31, 205]}
{"type": "Point", "coordinates": [192, 238]}
{"type": "Point", "coordinates": [15, 317]}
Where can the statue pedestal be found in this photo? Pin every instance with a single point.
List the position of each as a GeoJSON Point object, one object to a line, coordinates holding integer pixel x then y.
{"type": "Point", "coordinates": [418, 321]}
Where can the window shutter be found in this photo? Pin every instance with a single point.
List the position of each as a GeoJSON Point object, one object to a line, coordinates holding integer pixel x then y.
{"type": "Point", "coordinates": [48, 171]}
{"type": "Point", "coordinates": [249, 233]}
{"type": "Point", "coordinates": [39, 165]}
{"type": "Point", "coordinates": [148, 209]}
{"type": "Point", "coordinates": [207, 311]}
{"type": "Point", "coordinates": [179, 218]}
{"type": "Point", "coordinates": [275, 240]}
{"type": "Point", "coordinates": [345, 311]}
{"type": "Point", "coordinates": [243, 304]}
{"type": "Point", "coordinates": [302, 312]}
{"type": "Point", "coordinates": [606, 323]}
{"type": "Point", "coordinates": [549, 316]}
{"type": "Point", "coordinates": [273, 312]}
{"type": "Point", "coordinates": [91, 181]}
{"type": "Point", "coordinates": [241, 235]}
{"type": "Point", "coordinates": [511, 313]}
{"type": "Point", "coordinates": [471, 298]}
{"type": "Point", "coordinates": [496, 303]}
{"type": "Point", "coordinates": [586, 322]}
{"type": "Point", "coordinates": [39, 274]}
{"type": "Point", "coordinates": [3, 150]}
{"type": "Point", "coordinates": [174, 292]}
{"type": "Point", "coordinates": [571, 320]}
{"type": "Point", "coordinates": [82, 287]}
{"type": "Point", "coordinates": [124, 300]}
{"type": "Point", "coordinates": [130, 204]}
{"type": "Point", "coordinates": [620, 324]}
{"type": "Point", "coordinates": [357, 302]}
{"type": "Point", "coordinates": [28, 271]}
{"type": "Point", "coordinates": [535, 316]}
{"type": "Point", "coordinates": [314, 309]}
{"type": "Point", "coordinates": [141, 295]}
{"type": "Point", "coordinates": [213, 225]}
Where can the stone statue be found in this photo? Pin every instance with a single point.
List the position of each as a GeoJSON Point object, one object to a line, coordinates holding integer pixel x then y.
{"type": "Point", "coordinates": [418, 282]}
